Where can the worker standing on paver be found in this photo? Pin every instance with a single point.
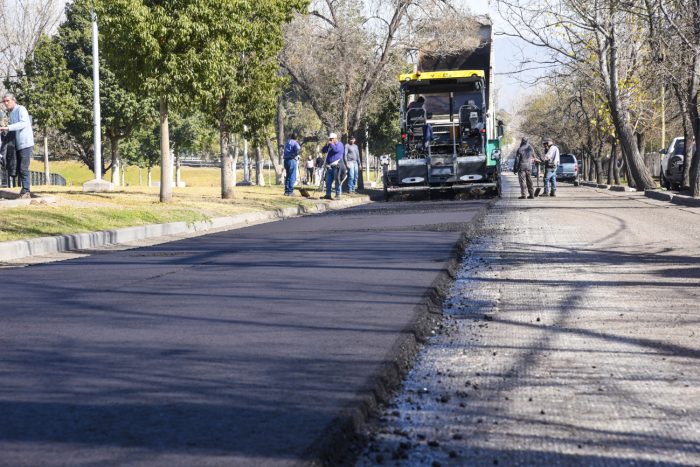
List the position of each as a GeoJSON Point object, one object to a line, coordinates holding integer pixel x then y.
{"type": "Point", "coordinates": [522, 166]}
{"type": "Point", "coordinates": [551, 162]}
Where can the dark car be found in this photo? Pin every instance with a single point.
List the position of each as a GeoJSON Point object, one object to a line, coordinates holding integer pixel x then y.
{"type": "Point", "coordinates": [568, 169]}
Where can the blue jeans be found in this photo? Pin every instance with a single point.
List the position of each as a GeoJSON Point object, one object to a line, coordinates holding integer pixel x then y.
{"type": "Point", "coordinates": [332, 174]}
{"type": "Point", "coordinates": [24, 156]}
{"type": "Point", "coordinates": [352, 176]}
{"type": "Point", "coordinates": [550, 176]}
{"type": "Point", "coordinates": [290, 166]}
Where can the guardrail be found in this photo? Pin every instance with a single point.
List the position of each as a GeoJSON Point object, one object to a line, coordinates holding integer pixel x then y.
{"type": "Point", "coordinates": [35, 178]}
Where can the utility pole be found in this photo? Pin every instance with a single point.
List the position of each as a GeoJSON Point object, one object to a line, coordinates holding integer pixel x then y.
{"type": "Point", "coordinates": [97, 184]}
{"type": "Point", "coordinates": [663, 116]}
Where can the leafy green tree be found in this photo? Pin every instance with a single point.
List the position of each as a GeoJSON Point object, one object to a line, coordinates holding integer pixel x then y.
{"type": "Point", "coordinates": [176, 52]}
{"type": "Point", "coordinates": [122, 111]}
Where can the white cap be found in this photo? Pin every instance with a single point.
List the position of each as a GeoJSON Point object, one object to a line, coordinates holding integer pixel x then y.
{"type": "Point", "coordinates": [332, 136]}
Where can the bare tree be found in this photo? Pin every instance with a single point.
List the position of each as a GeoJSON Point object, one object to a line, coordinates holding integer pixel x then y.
{"type": "Point", "coordinates": [600, 38]}
{"type": "Point", "coordinates": [338, 54]}
{"type": "Point", "coordinates": [22, 23]}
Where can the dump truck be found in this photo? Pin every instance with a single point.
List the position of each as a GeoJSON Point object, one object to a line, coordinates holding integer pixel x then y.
{"type": "Point", "coordinates": [450, 139]}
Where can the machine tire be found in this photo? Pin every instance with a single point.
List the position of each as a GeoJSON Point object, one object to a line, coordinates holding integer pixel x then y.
{"type": "Point", "coordinates": [664, 182]}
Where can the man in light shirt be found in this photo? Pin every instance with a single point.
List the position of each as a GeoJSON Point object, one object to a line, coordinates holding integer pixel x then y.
{"type": "Point", "coordinates": [551, 162]}
{"type": "Point", "coordinates": [21, 124]}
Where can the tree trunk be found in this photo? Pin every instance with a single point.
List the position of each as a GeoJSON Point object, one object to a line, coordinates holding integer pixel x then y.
{"type": "Point", "coordinates": [611, 162]}
{"type": "Point", "coordinates": [116, 162]}
{"type": "Point", "coordinates": [227, 181]}
{"type": "Point", "coordinates": [259, 175]}
{"type": "Point", "coordinates": [279, 170]}
{"type": "Point", "coordinates": [620, 113]}
{"type": "Point", "coordinates": [599, 170]}
{"type": "Point", "coordinates": [616, 170]}
{"type": "Point", "coordinates": [234, 164]}
{"type": "Point", "coordinates": [166, 164]}
{"type": "Point", "coordinates": [279, 128]}
{"type": "Point", "coordinates": [149, 177]}
{"type": "Point", "coordinates": [140, 179]}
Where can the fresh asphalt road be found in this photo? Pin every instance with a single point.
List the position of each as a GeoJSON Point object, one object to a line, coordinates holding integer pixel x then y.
{"type": "Point", "coordinates": [236, 348]}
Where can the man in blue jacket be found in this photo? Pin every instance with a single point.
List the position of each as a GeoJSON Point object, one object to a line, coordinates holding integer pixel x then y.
{"type": "Point", "coordinates": [21, 124]}
{"type": "Point", "coordinates": [292, 152]}
{"type": "Point", "coordinates": [334, 154]}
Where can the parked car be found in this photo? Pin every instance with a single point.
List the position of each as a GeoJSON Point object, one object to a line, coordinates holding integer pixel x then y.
{"type": "Point", "coordinates": [672, 164]}
{"type": "Point", "coordinates": [568, 169]}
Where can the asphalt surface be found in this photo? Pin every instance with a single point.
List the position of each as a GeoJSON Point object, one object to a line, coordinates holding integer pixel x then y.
{"type": "Point", "coordinates": [571, 337]}
{"type": "Point", "coordinates": [256, 346]}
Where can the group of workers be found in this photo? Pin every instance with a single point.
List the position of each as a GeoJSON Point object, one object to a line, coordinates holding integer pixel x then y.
{"type": "Point", "coordinates": [525, 157]}
{"type": "Point", "coordinates": [341, 160]}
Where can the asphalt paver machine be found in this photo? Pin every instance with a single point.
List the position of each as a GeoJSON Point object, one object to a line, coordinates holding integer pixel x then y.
{"type": "Point", "coordinates": [450, 139]}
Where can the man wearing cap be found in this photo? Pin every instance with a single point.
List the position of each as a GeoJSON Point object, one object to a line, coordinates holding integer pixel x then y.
{"type": "Point", "coordinates": [522, 166]}
{"type": "Point", "coordinates": [334, 154]}
{"type": "Point", "coordinates": [352, 163]}
{"type": "Point", "coordinates": [551, 162]}
{"type": "Point", "coordinates": [292, 151]}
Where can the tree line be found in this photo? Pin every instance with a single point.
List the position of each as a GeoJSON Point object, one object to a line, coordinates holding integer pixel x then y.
{"type": "Point", "coordinates": [183, 76]}
{"type": "Point", "coordinates": [622, 74]}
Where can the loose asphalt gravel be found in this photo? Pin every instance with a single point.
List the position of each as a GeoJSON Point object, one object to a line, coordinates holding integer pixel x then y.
{"type": "Point", "coordinates": [259, 346]}
{"type": "Point", "coordinates": [572, 337]}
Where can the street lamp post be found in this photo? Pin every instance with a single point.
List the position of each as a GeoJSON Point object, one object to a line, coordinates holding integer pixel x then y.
{"type": "Point", "coordinates": [97, 184]}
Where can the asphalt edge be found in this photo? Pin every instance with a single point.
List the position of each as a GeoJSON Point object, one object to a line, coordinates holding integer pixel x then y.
{"type": "Point", "coordinates": [19, 249]}
{"type": "Point", "coordinates": [342, 440]}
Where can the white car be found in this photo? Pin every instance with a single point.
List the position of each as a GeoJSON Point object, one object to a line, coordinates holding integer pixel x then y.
{"type": "Point", "coordinates": [672, 165]}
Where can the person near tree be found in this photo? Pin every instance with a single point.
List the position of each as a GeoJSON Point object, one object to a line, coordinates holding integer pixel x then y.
{"type": "Point", "coordinates": [292, 151]}
{"type": "Point", "coordinates": [334, 151]}
{"type": "Point", "coordinates": [352, 163]}
{"type": "Point", "coordinates": [551, 162]}
{"type": "Point", "coordinates": [21, 125]}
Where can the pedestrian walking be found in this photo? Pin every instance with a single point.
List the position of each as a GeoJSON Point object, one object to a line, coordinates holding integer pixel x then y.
{"type": "Point", "coordinates": [318, 170]}
{"type": "Point", "coordinates": [352, 163]}
{"type": "Point", "coordinates": [310, 169]}
{"type": "Point", "coordinates": [551, 162]}
{"type": "Point", "coordinates": [292, 152]}
{"type": "Point", "coordinates": [21, 125]}
{"type": "Point", "coordinates": [522, 165]}
{"type": "Point", "coordinates": [334, 155]}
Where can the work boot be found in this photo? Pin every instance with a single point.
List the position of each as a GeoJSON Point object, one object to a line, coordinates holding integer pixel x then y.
{"type": "Point", "coordinates": [25, 195]}
{"type": "Point", "coordinates": [532, 196]}
{"type": "Point", "coordinates": [521, 197]}
{"type": "Point", "coordinates": [552, 193]}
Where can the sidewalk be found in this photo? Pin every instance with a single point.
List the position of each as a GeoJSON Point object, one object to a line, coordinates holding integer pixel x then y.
{"type": "Point", "coordinates": [573, 339]}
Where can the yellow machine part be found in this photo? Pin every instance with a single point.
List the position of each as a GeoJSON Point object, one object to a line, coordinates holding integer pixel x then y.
{"type": "Point", "coordinates": [433, 75]}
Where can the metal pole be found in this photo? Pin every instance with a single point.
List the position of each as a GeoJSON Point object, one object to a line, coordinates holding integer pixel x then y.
{"type": "Point", "coordinates": [97, 132]}
{"type": "Point", "coordinates": [663, 116]}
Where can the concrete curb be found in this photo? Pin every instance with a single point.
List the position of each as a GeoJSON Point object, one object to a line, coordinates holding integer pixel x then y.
{"type": "Point", "coordinates": [343, 437]}
{"type": "Point", "coordinates": [660, 195]}
{"type": "Point", "coordinates": [603, 186]}
{"type": "Point", "coordinates": [622, 188]}
{"type": "Point", "coordinates": [46, 245]}
{"type": "Point", "coordinates": [683, 200]}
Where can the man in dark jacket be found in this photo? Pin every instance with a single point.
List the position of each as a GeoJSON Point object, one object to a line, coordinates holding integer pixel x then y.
{"type": "Point", "coordinates": [334, 151]}
{"type": "Point", "coordinates": [522, 166]}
